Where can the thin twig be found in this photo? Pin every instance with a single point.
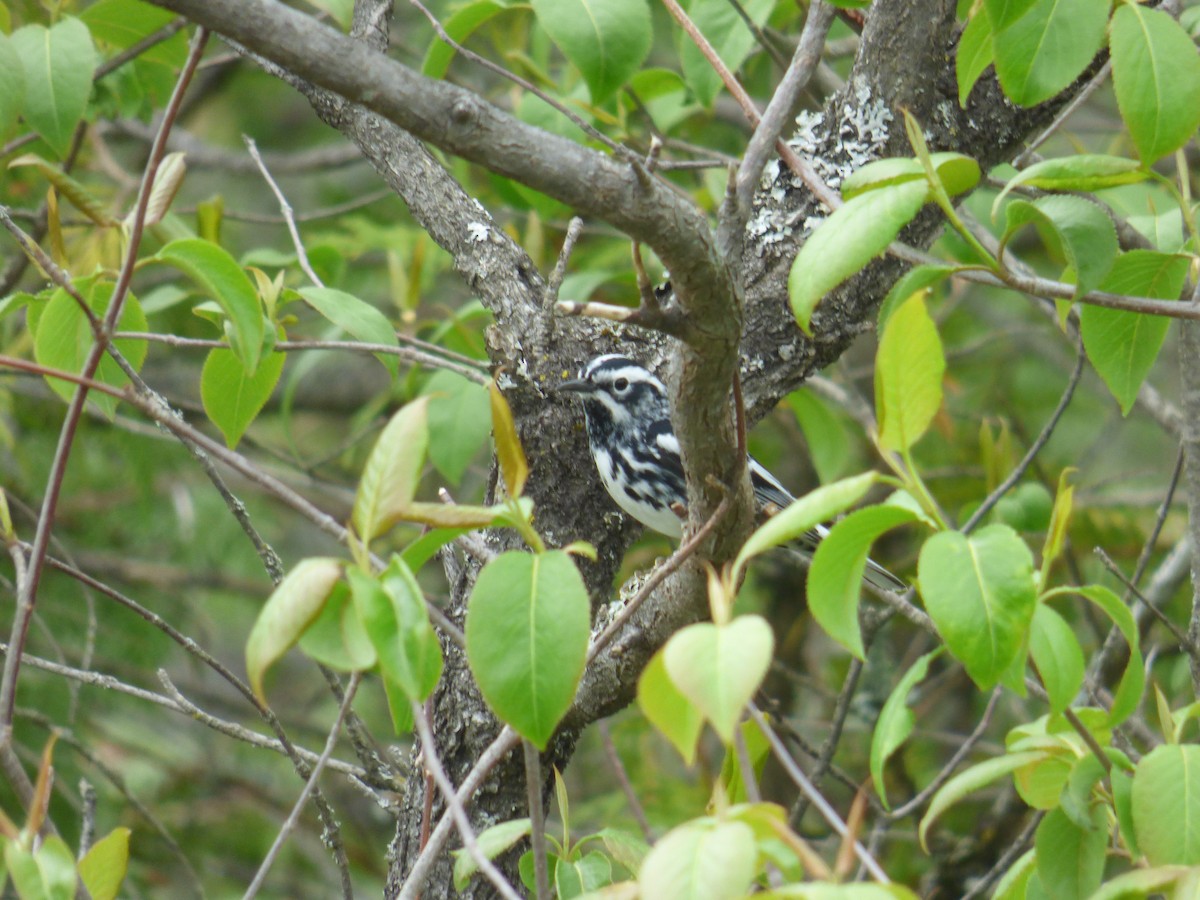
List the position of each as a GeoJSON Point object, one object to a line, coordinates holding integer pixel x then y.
{"type": "Point", "coordinates": [1189, 647]}
{"type": "Point", "coordinates": [285, 209]}
{"type": "Point", "coordinates": [537, 819]}
{"type": "Point", "coordinates": [841, 711]}
{"type": "Point", "coordinates": [1025, 156]}
{"type": "Point", "coordinates": [1034, 449]}
{"type": "Point", "coordinates": [1004, 863]}
{"type": "Point", "coordinates": [622, 776]}
{"type": "Point", "coordinates": [455, 807]}
{"type": "Point", "coordinates": [947, 770]}
{"type": "Point", "coordinates": [554, 282]}
{"type": "Point", "coordinates": [822, 805]}
{"type": "Point", "coordinates": [309, 786]}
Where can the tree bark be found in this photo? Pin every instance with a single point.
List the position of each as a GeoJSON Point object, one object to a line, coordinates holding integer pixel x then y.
{"type": "Point", "coordinates": [906, 60]}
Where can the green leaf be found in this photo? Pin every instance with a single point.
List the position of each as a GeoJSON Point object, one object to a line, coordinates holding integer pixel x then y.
{"type": "Point", "coordinates": [1123, 345]}
{"type": "Point", "coordinates": [527, 635]}
{"type": "Point", "coordinates": [974, 55]}
{"type": "Point", "coordinates": [700, 861]}
{"type": "Point", "coordinates": [1156, 75]}
{"type": "Point", "coordinates": [288, 612]}
{"type": "Point", "coordinates": [492, 841]}
{"type": "Point", "coordinates": [1085, 172]}
{"type": "Point", "coordinates": [232, 398]}
{"type": "Point", "coordinates": [1057, 655]}
{"type": "Point", "coordinates": [896, 721]}
{"type": "Point", "coordinates": [56, 865]}
{"type": "Point", "coordinates": [970, 780]}
{"type": "Point", "coordinates": [79, 196]}
{"type": "Point", "coordinates": [576, 877]}
{"type": "Point", "coordinates": [1040, 52]}
{"type": "Point", "coordinates": [389, 479]}
{"type": "Point", "coordinates": [851, 237]}
{"type": "Point", "coordinates": [1143, 883]}
{"type": "Point", "coordinates": [980, 592]}
{"type": "Point", "coordinates": [337, 638]}
{"type": "Point", "coordinates": [913, 281]}
{"type": "Point", "coordinates": [459, 422]}
{"type": "Point", "coordinates": [218, 275]}
{"type": "Point", "coordinates": [460, 26]}
{"type": "Point", "coordinates": [1084, 230]}
{"type": "Point", "coordinates": [1166, 804]}
{"type": "Point", "coordinates": [836, 575]}
{"type": "Point", "coordinates": [1060, 517]}
{"type": "Point", "coordinates": [719, 667]}
{"type": "Point", "coordinates": [23, 870]}
{"type": "Point", "coordinates": [826, 436]}
{"type": "Point", "coordinates": [58, 64]}
{"type": "Point", "coordinates": [908, 375]}
{"type": "Point", "coordinates": [607, 40]}
{"type": "Point", "coordinates": [12, 84]}
{"type": "Point", "coordinates": [392, 610]}
{"type": "Point", "coordinates": [1070, 859]}
{"type": "Point", "coordinates": [803, 515]}
{"type": "Point", "coordinates": [758, 749]}
{"type": "Point", "coordinates": [956, 172]}
{"type": "Point", "coordinates": [123, 23]}
{"type": "Point", "coordinates": [63, 339]}
{"type": "Point", "coordinates": [668, 709]}
{"type": "Point", "coordinates": [103, 867]}
{"type": "Point", "coordinates": [1133, 680]}
{"type": "Point", "coordinates": [727, 32]}
{"type": "Point", "coordinates": [357, 318]}
{"type": "Point", "coordinates": [398, 706]}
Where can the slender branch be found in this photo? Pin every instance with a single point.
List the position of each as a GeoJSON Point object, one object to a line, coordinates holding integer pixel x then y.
{"type": "Point", "coordinates": [1004, 863]}
{"type": "Point", "coordinates": [822, 805]}
{"type": "Point", "coordinates": [841, 710]}
{"type": "Point", "coordinates": [1035, 448]}
{"type": "Point", "coordinates": [618, 767]}
{"type": "Point", "coordinates": [455, 807]}
{"type": "Point", "coordinates": [537, 819]}
{"type": "Point", "coordinates": [289, 824]}
{"type": "Point", "coordinates": [285, 209]}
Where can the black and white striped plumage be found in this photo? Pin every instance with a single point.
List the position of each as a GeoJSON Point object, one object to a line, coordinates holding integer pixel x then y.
{"type": "Point", "coordinates": [637, 454]}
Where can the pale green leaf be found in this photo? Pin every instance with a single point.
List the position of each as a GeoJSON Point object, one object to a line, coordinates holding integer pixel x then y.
{"type": "Point", "coordinates": [909, 366]}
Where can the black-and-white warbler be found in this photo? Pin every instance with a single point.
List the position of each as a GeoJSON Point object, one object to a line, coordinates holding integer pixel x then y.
{"type": "Point", "coordinates": [637, 454]}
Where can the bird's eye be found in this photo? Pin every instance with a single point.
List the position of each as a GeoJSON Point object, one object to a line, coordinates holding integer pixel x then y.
{"type": "Point", "coordinates": [621, 385]}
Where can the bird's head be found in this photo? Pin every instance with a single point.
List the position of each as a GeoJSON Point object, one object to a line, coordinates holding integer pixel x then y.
{"type": "Point", "coordinates": [618, 392]}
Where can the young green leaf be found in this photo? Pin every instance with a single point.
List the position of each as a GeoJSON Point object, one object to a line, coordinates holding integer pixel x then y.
{"type": "Point", "coordinates": [915, 280]}
{"type": "Point", "coordinates": [492, 841]}
{"type": "Point", "coordinates": [337, 638]}
{"type": "Point", "coordinates": [1060, 517]}
{"type": "Point", "coordinates": [574, 877]}
{"type": "Point", "coordinates": [1057, 655]}
{"type": "Point", "coordinates": [81, 198]}
{"type": "Point", "coordinates": [956, 172]}
{"type": "Point", "coordinates": [802, 516]}
{"type": "Point", "coordinates": [1086, 233]}
{"type": "Point", "coordinates": [218, 275]}
{"type": "Point", "coordinates": [357, 318]}
{"type": "Point", "coordinates": [718, 668]}
{"type": "Point", "coordinates": [459, 422]}
{"type": "Point", "coordinates": [980, 592]}
{"type": "Point", "coordinates": [508, 443]}
{"type": "Point", "coordinates": [1043, 50]}
{"type": "Point", "coordinates": [825, 435]}
{"type": "Point", "coordinates": [835, 577]}
{"type": "Point", "coordinates": [1166, 804]}
{"type": "Point", "coordinates": [1156, 75]}
{"type": "Point", "coordinates": [527, 635]}
{"type": "Point", "coordinates": [167, 180]}
{"type": "Point", "coordinates": [1070, 859]}
{"type": "Point", "coordinates": [389, 479]}
{"type": "Point", "coordinates": [668, 709]}
{"type": "Point", "coordinates": [974, 55]}
{"type": "Point", "coordinates": [700, 861]}
{"type": "Point", "coordinates": [232, 398]}
{"type": "Point", "coordinates": [288, 612]}
{"type": "Point", "coordinates": [103, 867]}
{"type": "Point", "coordinates": [851, 237]}
{"type": "Point", "coordinates": [1124, 345]}
{"type": "Point", "coordinates": [1133, 681]}
{"type": "Point", "coordinates": [896, 721]}
{"type": "Point", "coordinates": [459, 26]}
{"type": "Point", "coordinates": [56, 867]}
{"type": "Point", "coordinates": [58, 63]}
{"type": "Point", "coordinates": [970, 780]}
{"type": "Point", "coordinates": [391, 609]}
{"type": "Point", "coordinates": [908, 375]}
{"type": "Point", "coordinates": [607, 41]}
{"type": "Point", "coordinates": [63, 339]}
{"type": "Point", "coordinates": [726, 30]}
{"type": "Point", "coordinates": [1085, 172]}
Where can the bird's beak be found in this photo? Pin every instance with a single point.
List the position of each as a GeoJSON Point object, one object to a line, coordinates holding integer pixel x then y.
{"type": "Point", "coordinates": [576, 387]}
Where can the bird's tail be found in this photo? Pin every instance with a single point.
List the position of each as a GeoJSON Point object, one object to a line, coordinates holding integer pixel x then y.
{"type": "Point", "coordinates": [877, 575]}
